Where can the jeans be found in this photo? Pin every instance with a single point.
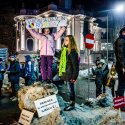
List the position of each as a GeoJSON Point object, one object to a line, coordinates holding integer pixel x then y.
{"type": "Point", "coordinates": [113, 87]}
{"type": "Point", "coordinates": [72, 91]}
{"type": "Point", "coordinates": [121, 84]}
{"type": "Point", "coordinates": [46, 67]}
{"type": "Point", "coordinates": [98, 83]}
{"type": "Point", "coordinates": [14, 86]}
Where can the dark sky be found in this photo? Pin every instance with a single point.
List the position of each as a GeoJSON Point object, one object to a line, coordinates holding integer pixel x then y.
{"type": "Point", "coordinates": [31, 4]}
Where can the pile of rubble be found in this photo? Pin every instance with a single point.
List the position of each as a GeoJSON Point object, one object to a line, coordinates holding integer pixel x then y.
{"type": "Point", "coordinates": [28, 94]}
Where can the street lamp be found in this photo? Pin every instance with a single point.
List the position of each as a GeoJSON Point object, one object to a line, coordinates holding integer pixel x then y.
{"type": "Point", "coordinates": [119, 8]}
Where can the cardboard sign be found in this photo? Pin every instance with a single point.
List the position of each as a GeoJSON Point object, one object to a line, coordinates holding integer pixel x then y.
{"type": "Point", "coordinates": [119, 102]}
{"type": "Point", "coordinates": [46, 105]}
{"type": "Point", "coordinates": [46, 22]}
{"type": "Point", "coordinates": [25, 117]}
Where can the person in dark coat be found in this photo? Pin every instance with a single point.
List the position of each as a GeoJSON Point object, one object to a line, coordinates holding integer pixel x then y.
{"type": "Point", "coordinates": [69, 67]}
{"type": "Point", "coordinates": [2, 70]}
{"type": "Point", "coordinates": [29, 71]}
{"type": "Point", "coordinates": [120, 61]}
{"type": "Point", "coordinates": [105, 70]}
{"type": "Point", "coordinates": [98, 72]}
{"type": "Point", "coordinates": [14, 75]}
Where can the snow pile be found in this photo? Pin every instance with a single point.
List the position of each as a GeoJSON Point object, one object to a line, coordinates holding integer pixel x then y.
{"type": "Point", "coordinates": [85, 115]}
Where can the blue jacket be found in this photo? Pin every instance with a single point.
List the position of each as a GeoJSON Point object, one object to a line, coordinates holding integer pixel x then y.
{"type": "Point", "coordinates": [29, 68]}
{"type": "Point", "coordinates": [14, 70]}
{"type": "Point", "coordinates": [1, 72]}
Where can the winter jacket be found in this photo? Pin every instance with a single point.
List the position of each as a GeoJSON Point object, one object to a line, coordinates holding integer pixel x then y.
{"type": "Point", "coordinates": [99, 75]}
{"type": "Point", "coordinates": [1, 72]}
{"type": "Point", "coordinates": [105, 70]}
{"type": "Point", "coordinates": [120, 53]}
{"type": "Point", "coordinates": [47, 42]}
{"type": "Point", "coordinates": [14, 70]}
{"type": "Point", "coordinates": [29, 68]}
{"type": "Point", "coordinates": [72, 66]}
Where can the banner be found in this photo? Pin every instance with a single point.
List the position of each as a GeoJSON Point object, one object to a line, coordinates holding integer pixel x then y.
{"type": "Point", "coordinates": [36, 23]}
{"type": "Point", "coordinates": [46, 105]}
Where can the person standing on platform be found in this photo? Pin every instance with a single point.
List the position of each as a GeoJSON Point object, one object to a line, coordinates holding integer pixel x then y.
{"type": "Point", "coordinates": [47, 50]}
{"type": "Point", "coordinates": [69, 67]}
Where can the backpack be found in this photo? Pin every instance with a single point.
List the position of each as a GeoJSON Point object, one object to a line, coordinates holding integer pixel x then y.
{"type": "Point", "coordinates": [29, 69]}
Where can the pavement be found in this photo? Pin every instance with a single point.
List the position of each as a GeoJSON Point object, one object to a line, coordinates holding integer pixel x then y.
{"type": "Point", "coordinates": [9, 111]}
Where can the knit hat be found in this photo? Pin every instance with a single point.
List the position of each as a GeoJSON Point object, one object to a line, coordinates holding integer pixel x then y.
{"type": "Point", "coordinates": [123, 29]}
{"type": "Point", "coordinates": [102, 61]}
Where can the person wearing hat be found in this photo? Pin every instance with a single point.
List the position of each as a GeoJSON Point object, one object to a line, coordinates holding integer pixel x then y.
{"type": "Point", "coordinates": [105, 70]}
{"type": "Point", "coordinates": [119, 48]}
{"type": "Point", "coordinates": [13, 75]}
{"type": "Point", "coordinates": [98, 72]}
{"type": "Point", "coordinates": [2, 70]}
{"type": "Point", "coordinates": [30, 77]}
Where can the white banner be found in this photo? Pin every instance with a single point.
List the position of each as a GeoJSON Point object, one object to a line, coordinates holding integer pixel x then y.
{"type": "Point", "coordinates": [46, 105]}
{"type": "Point", "coordinates": [35, 23]}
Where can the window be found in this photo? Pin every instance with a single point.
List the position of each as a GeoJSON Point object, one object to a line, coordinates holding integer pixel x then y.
{"type": "Point", "coordinates": [30, 43]}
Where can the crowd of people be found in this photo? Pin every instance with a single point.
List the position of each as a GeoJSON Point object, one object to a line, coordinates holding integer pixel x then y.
{"type": "Point", "coordinates": [114, 77]}
{"type": "Point", "coordinates": [68, 68]}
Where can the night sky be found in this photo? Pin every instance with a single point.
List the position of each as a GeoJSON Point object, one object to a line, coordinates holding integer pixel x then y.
{"type": "Point", "coordinates": [87, 4]}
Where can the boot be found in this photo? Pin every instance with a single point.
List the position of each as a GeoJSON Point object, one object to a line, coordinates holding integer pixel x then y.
{"type": "Point", "coordinates": [70, 107]}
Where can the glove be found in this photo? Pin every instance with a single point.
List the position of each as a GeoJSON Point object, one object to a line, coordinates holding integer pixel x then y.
{"type": "Point", "coordinates": [72, 81]}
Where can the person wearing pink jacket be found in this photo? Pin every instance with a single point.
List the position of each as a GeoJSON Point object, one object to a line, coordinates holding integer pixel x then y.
{"type": "Point", "coordinates": [47, 50]}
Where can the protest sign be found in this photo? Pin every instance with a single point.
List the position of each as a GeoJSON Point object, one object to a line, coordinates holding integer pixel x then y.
{"type": "Point", "coordinates": [46, 105]}
{"type": "Point", "coordinates": [25, 117]}
{"type": "Point", "coordinates": [35, 23]}
{"type": "Point", "coordinates": [119, 102]}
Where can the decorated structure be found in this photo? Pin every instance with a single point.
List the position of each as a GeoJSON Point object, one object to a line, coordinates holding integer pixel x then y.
{"type": "Point", "coordinates": [80, 24]}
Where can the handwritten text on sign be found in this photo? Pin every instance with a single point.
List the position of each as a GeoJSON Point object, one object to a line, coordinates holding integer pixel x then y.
{"type": "Point", "coordinates": [46, 105]}
{"type": "Point", "coordinates": [26, 117]}
{"type": "Point", "coordinates": [46, 22]}
{"type": "Point", "coordinates": [119, 102]}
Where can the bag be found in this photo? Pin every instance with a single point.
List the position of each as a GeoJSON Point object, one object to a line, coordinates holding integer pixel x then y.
{"type": "Point", "coordinates": [29, 69]}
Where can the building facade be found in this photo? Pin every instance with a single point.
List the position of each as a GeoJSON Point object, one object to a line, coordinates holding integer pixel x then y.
{"type": "Point", "coordinates": [79, 26]}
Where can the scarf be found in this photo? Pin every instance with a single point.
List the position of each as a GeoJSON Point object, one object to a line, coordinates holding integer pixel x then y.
{"type": "Point", "coordinates": [122, 37]}
{"type": "Point", "coordinates": [62, 66]}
